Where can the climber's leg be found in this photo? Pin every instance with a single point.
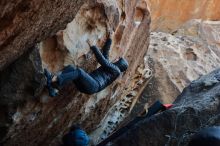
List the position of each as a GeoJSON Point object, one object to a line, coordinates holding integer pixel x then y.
{"type": "Point", "coordinates": [53, 78]}
{"type": "Point", "coordinates": [68, 74]}
{"type": "Point", "coordinates": [67, 69]}
{"type": "Point", "coordinates": [106, 48]}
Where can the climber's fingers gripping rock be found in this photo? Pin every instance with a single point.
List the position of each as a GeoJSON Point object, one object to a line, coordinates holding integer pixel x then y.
{"type": "Point", "coordinates": [90, 43]}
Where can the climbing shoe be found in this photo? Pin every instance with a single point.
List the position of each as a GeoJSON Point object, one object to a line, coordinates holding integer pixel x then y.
{"type": "Point", "coordinates": [53, 92]}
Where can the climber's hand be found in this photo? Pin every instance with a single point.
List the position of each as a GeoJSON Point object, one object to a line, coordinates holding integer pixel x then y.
{"type": "Point", "coordinates": [90, 43]}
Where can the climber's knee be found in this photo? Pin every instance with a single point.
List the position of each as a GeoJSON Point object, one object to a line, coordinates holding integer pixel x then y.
{"type": "Point", "coordinates": [69, 68]}
{"type": "Point", "coordinates": [80, 71]}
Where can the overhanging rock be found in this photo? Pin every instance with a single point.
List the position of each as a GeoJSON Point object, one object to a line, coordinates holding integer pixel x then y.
{"type": "Point", "coordinates": [24, 23]}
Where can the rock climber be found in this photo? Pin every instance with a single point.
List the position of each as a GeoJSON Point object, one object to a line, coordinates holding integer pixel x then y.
{"type": "Point", "coordinates": [76, 137]}
{"type": "Point", "coordinates": [93, 82]}
{"type": "Point", "coordinates": [206, 137]}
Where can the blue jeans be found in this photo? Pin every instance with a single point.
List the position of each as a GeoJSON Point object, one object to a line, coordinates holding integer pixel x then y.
{"type": "Point", "coordinates": [83, 81]}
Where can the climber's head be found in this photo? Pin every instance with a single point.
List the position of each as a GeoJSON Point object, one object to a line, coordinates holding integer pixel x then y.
{"type": "Point", "coordinates": [122, 64]}
{"type": "Point", "coordinates": [206, 137]}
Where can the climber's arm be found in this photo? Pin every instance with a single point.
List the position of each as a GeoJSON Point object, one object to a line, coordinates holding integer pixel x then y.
{"type": "Point", "coordinates": [99, 56]}
{"type": "Point", "coordinates": [103, 61]}
{"type": "Point", "coordinates": [106, 48]}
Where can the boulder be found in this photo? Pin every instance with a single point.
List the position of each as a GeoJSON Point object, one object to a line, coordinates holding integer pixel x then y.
{"type": "Point", "coordinates": [195, 108]}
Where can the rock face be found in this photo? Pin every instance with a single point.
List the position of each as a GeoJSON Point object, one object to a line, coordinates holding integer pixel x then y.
{"type": "Point", "coordinates": [169, 15]}
{"type": "Point", "coordinates": [28, 116]}
{"type": "Point", "coordinates": [195, 108]}
{"type": "Point", "coordinates": [45, 120]}
{"type": "Point", "coordinates": [178, 59]}
{"type": "Point", "coordinates": [24, 23]}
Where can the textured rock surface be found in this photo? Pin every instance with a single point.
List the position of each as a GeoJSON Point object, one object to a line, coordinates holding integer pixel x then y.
{"type": "Point", "coordinates": [198, 106]}
{"type": "Point", "coordinates": [21, 82]}
{"type": "Point", "coordinates": [24, 23]}
{"type": "Point", "coordinates": [45, 121]}
{"type": "Point", "coordinates": [168, 15]}
{"type": "Point", "coordinates": [176, 60]}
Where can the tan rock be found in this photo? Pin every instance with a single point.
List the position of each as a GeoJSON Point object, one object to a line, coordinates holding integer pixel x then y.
{"type": "Point", "coordinates": [178, 59]}
{"type": "Point", "coordinates": [169, 15]}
